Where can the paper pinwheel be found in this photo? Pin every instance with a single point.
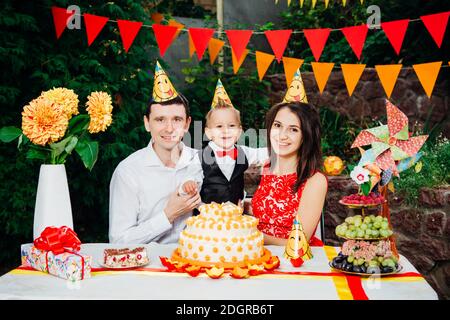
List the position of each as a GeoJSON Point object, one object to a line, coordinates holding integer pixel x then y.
{"type": "Point", "coordinates": [391, 142]}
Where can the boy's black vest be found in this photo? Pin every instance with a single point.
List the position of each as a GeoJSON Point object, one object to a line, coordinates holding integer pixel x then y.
{"type": "Point", "coordinates": [216, 186]}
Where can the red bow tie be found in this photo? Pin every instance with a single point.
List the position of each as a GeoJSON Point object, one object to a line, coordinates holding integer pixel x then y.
{"type": "Point", "coordinates": [231, 153]}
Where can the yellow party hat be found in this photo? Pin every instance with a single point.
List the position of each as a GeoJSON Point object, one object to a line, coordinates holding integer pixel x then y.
{"type": "Point", "coordinates": [297, 246]}
{"type": "Point", "coordinates": [296, 91]}
{"type": "Point", "coordinates": [220, 93]}
{"type": "Point", "coordinates": [163, 89]}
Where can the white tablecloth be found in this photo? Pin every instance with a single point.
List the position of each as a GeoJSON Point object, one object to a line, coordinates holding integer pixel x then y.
{"type": "Point", "coordinates": [23, 284]}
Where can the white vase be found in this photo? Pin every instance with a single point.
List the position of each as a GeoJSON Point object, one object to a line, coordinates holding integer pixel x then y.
{"type": "Point", "coordinates": [52, 199]}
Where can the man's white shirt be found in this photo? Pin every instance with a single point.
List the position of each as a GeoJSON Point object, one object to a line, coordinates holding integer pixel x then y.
{"type": "Point", "coordinates": [139, 191]}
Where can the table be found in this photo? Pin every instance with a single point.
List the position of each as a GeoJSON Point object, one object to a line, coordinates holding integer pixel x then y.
{"type": "Point", "coordinates": [314, 280]}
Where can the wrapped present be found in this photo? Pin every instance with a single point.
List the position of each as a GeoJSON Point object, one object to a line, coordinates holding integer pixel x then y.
{"type": "Point", "coordinates": [56, 252]}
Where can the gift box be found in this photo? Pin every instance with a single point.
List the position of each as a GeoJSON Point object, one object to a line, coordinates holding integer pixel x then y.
{"type": "Point", "coordinates": [65, 265]}
{"type": "Point", "coordinates": [56, 252]}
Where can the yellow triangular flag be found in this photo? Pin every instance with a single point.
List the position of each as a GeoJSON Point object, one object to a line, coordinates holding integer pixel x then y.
{"type": "Point", "coordinates": [191, 46]}
{"type": "Point", "coordinates": [313, 4]}
{"type": "Point", "coordinates": [388, 75]}
{"type": "Point", "coordinates": [290, 67]}
{"type": "Point", "coordinates": [214, 47]}
{"type": "Point", "coordinates": [289, 3]}
{"type": "Point", "coordinates": [301, 3]}
{"type": "Point", "coordinates": [352, 73]}
{"type": "Point", "coordinates": [263, 61]}
{"type": "Point", "coordinates": [344, 2]}
{"type": "Point", "coordinates": [326, 3]}
{"type": "Point", "coordinates": [322, 71]}
{"type": "Point", "coordinates": [237, 64]}
{"type": "Point", "coordinates": [221, 93]}
{"type": "Point", "coordinates": [175, 23]}
{"type": "Point", "coordinates": [427, 74]}
{"type": "Point", "coordinates": [296, 90]}
{"type": "Point", "coordinates": [362, 1]}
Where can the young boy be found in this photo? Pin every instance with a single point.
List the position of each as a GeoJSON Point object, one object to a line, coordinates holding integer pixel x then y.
{"type": "Point", "coordinates": [223, 162]}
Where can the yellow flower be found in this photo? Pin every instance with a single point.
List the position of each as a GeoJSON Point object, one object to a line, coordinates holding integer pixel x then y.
{"type": "Point", "coordinates": [99, 108]}
{"type": "Point", "coordinates": [44, 121]}
{"type": "Point", "coordinates": [67, 98]}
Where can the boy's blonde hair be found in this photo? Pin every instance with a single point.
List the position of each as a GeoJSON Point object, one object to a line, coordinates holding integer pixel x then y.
{"type": "Point", "coordinates": [222, 104]}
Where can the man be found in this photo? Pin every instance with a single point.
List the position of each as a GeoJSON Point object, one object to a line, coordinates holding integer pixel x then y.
{"type": "Point", "coordinates": [144, 203]}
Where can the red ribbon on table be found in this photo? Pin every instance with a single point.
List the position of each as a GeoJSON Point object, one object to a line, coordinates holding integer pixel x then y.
{"type": "Point", "coordinates": [59, 240]}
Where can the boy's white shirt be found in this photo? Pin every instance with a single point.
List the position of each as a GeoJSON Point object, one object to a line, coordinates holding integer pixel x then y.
{"type": "Point", "coordinates": [226, 164]}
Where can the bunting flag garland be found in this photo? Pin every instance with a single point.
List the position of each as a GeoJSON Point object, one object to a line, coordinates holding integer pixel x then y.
{"type": "Point", "coordinates": [214, 47]}
{"type": "Point", "coordinates": [164, 36]}
{"type": "Point", "coordinates": [180, 27]}
{"type": "Point", "coordinates": [278, 40]}
{"type": "Point", "coordinates": [191, 46]}
{"type": "Point", "coordinates": [427, 74]}
{"type": "Point", "coordinates": [316, 39]}
{"type": "Point", "coordinates": [94, 24]}
{"type": "Point", "coordinates": [238, 62]}
{"type": "Point", "coordinates": [238, 40]}
{"type": "Point", "coordinates": [322, 71]}
{"type": "Point", "coordinates": [200, 38]}
{"type": "Point", "coordinates": [395, 32]}
{"type": "Point", "coordinates": [263, 61]}
{"type": "Point", "coordinates": [291, 65]}
{"type": "Point", "coordinates": [128, 31]}
{"type": "Point", "coordinates": [436, 25]}
{"type": "Point", "coordinates": [60, 18]}
{"type": "Point", "coordinates": [388, 75]}
{"type": "Point", "coordinates": [352, 73]}
{"type": "Point", "coordinates": [356, 37]}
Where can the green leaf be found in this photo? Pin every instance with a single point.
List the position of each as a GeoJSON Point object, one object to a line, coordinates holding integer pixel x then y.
{"type": "Point", "coordinates": [8, 134]}
{"type": "Point", "coordinates": [59, 147]}
{"type": "Point", "coordinates": [88, 152]}
{"type": "Point", "coordinates": [78, 124]}
{"type": "Point", "coordinates": [71, 145]}
{"type": "Point", "coordinates": [39, 154]}
{"type": "Point", "coordinates": [365, 188]}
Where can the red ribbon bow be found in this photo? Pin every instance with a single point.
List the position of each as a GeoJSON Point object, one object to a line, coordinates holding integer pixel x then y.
{"type": "Point", "coordinates": [231, 153]}
{"type": "Point", "coordinates": [57, 240]}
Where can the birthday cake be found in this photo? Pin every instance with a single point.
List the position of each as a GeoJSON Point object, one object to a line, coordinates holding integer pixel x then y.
{"type": "Point", "coordinates": [125, 257]}
{"type": "Point", "coordinates": [221, 236]}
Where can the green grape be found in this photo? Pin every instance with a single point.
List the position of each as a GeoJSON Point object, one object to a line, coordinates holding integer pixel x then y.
{"type": "Point", "coordinates": [358, 222]}
{"type": "Point", "coordinates": [350, 259]}
{"type": "Point", "coordinates": [384, 233]}
{"type": "Point", "coordinates": [352, 227]}
{"type": "Point", "coordinates": [360, 261]}
{"type": "Point", "coordinates": [375, 233]}
{"type": "Point", "coordinates": [366, 236]}
{"type": "Point", "coordinates": [367, 220]}
{"type": "Point", "coordinates": [344, 227]}
{"type": "Point", "coordinates": [380, 259]}
{"type": "Point", "coordinates": [348, 234]}
{"type": "Point", "coordinates": [385, 219]}
{"type": "Point", "coordinates": [390, 232]}
{"type": "Point", "coordinates": [360, 233]}
{"type": "Point", "coordinates": [363, 226]}
{"type": "Point", "coordinates": [384, 225]}
{"type": "Point", "coordinates": [377, 225]}
{"type": "Point", "coordinates": [349, 220]}
{"type": "Point", "coordinates": [352, 234]}
{"type": "Point", "coordinates": [379, 219]}
{"type": "Point", "coordinates": [372, 217]}
{"type": "Point", "coordinates": [368, 232]}
{"type": "Point", "coordinates": [370, 226]}
{"type": "Point", "coordinates": [373, 263]}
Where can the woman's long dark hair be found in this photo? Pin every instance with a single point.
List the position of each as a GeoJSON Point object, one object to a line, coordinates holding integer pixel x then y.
{"type": "Point", "coordinates": [310, 151]}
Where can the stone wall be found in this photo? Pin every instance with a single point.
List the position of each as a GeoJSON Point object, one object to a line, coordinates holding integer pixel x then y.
{"type": "Point", "coordinates": [368, 97]}
{"type": "Point", "coordinates": [422, 233]}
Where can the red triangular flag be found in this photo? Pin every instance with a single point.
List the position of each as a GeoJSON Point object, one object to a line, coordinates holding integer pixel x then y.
{"type": "Point", "coordinates": [94, 24]}
{"type": "Point", "coordinates": [278, 40]}
{"type": "Point", "coordinates": [164, 36]}
{"type": "Point", "coordinates": [238, 40]}
{"type": "Point", "coordinates": [436, 25]}
{"type": "Point", "coordinates": [60, 17]}
{"type": "Point", "coordinates": [356, 36]}
{"type": "Point", "coordinates": [395, 32]}
{"type": "Point", "coordinates": [316, 39]}
{"type": "Point", "coordinates": [200, 38]}
{"type": "Point", "coordinates": [128, 31]}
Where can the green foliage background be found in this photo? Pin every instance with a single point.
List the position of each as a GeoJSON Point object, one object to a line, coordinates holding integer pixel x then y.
{"type": "Point", "coordinates": [32, 60]}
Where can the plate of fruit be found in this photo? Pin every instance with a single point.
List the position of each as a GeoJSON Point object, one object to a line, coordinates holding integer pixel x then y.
{"type": "Point", "coordinates": [360, 200]}
{"type": "Point", "coordinates": [364, 228]}
{"type": "Point", "coordinates": [378, 266]}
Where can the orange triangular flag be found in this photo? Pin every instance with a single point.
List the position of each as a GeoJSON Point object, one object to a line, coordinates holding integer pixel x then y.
{"type": "Point", "coordinates": [290, 66]}
{"type": "Point", "coordinates": [157, 17]}
{"type": "Point", "coordinates": [175, 23]}
{"type": "Point", "coordinates": [191, 46]}
{"type": "Point", "coordinates": [237, 64]}
{"type": "Point", "coordinates": [263, 61]}
{"type": "Point", "coordinates": [352, 73]}
{"type": "Point", "coordinates": [322, 71]}
{"type": "Point", "coordinates": [214, 47]}
{"type": "Point", "coordinates": [427, 74]}
{"type": "Point", "coordinates": [388, 75]}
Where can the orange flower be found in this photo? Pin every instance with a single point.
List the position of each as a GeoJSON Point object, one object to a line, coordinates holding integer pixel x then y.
{"type": "Point", "coordinates": [67, 98]}
{"type": "Point", "coordinates": [99, 108]}
{"type": "Point", "coordinates": [44, 121]}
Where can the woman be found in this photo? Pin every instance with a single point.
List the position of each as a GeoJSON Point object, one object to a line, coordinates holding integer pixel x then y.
{"type": "Point", "coordinates": [291, 183]}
